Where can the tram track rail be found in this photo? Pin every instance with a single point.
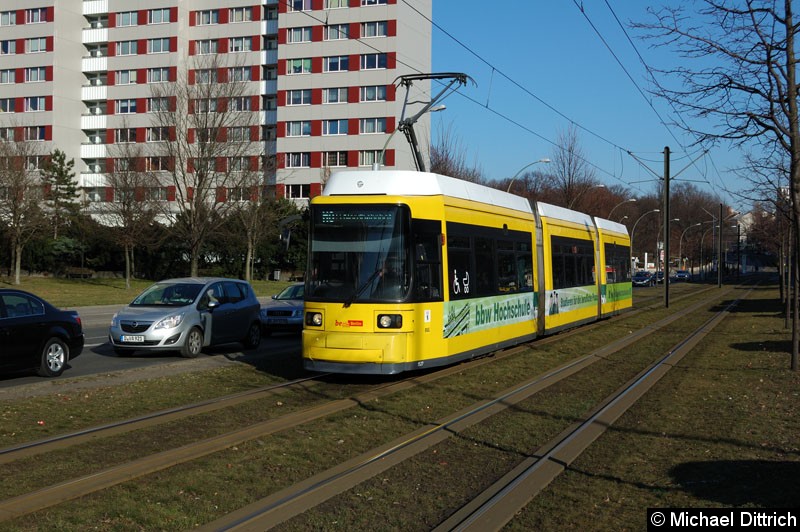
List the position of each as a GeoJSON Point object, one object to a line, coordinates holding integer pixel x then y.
{"type": "Point", "coordinates": [70, 489]}
{"type": "Point", "coordinates": [294, 500]}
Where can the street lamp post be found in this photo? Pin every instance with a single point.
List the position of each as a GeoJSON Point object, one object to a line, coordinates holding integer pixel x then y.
{"type": "Point", "coordinates": [680, 244]}
{"type": "Point", "coordinates": [617, 205]}
{"type": "Point", "coordinates": [542, 160]}
{"type": "Point", "coordinates": [634, 229]}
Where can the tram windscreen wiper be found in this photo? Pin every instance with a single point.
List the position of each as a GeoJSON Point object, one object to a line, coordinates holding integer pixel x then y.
{"type": "Point", "coordinates": [361, 288]}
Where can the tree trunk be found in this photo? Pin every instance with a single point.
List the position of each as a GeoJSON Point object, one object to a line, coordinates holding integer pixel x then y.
{"type": "Point", "coordinates": [127, 266]}
{"type": "Point", "coordinates": [17, 262]}
{"type": "Point", "coordinates": [794, 169]}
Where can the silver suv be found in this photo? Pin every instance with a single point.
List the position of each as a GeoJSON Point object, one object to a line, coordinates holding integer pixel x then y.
{"type": "Point", "coordinates": [186, 315]}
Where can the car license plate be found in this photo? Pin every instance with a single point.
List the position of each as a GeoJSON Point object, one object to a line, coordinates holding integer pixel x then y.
{"type": "Point", "coordinates": [131, 339]}
{"type": "Point", "coordinates": [277, 321]}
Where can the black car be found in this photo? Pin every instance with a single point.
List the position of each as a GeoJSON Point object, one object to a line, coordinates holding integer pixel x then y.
{"type": "Point", "coordinates": [643, 278]}
{"type": "Point", "coordinates": [35, 335]}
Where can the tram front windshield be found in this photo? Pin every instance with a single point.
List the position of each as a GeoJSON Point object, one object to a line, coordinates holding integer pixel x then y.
{"type": "Point", "coordinates": [359, 253]}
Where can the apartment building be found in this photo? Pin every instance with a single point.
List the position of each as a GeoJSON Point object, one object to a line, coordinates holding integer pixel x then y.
{"type": "Point", "coordinates": [88, 76]}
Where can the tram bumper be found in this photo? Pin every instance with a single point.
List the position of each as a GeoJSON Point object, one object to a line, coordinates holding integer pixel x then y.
{"type": "Point", "coordinates": [383, 353]}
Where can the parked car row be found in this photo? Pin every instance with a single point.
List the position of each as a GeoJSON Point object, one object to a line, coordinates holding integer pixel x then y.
{"type": "Point", "coordinates": [183, 315]}
{"type": "Point", "coordinates": [646, 278]}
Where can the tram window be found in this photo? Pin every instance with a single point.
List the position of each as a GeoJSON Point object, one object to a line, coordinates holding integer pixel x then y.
{"type": "Point", "coordinates": [572, 262]}
{"type": "Point", "coordinates": [617, 263]}
{"type": "Point", "coordinates": [427, 235]}
{"type": "Point", "coordinates": [485, 284]}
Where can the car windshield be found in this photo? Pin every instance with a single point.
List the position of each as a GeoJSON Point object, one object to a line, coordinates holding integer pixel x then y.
{"type": "Point", "coordinates": [291, 292]}
{"type": "Point", "coordinates": [168, 294]}
{"type": "Point", "coordinates": [359, 253]}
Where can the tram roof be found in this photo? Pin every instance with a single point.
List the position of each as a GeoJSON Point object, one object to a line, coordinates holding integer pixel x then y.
{"type": "Point", "coordinates": [410, 183]}
{"type": "Point", "coordinates": [608, 225]}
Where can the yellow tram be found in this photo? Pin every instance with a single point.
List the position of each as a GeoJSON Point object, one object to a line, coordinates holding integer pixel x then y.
{"type": "Point", "coordinates": [411, 270]}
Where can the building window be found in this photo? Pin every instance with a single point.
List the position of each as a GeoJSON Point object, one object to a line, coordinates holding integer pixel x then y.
{"type": "Point", "coordinates": [270, 73]}
{"type": "Point", "coordinates": [34, 133]}
{"type": "Point", "coordinates": [335, 64]}
{"type": "Point", "coordinates": [126, 48]}
{"type": "Point", "coordinates": [127, 18]}
{"type": "Point", "coordinates": [240, 44]}
{"type": "Point", "coordinates": [295, 35]}
{"type": "Point", "coordinates": [157, 105]}
{"type": "Point", "coordinates": [157, 193]}
{"type": "Point", "coordinates": [36, 15]}
{"type": "Point", "coordinates": [269, 133]}
{"type": "Point", "coordinates": [372, 125]}
{"type": "Point", "coordinates": [373, 93]}
{"type": "Point", "coordinates": [209, 16]}
{"type": "Point", "coordinates": [298, 160]}
{"type": "Point", "coordinates": [205, 105]}
{"type": "Point", "coordinates": [334, 95]}
{"type": "Point", "coordinates": [299, 128]}
{"type": "Point", "coordinates": [334, 127]}
{"type": "Point", "coordinates": [270, 44]}
{"type": "Point", "coordinates": [156, 163]}
{"type": "Point", "coordinates": [298, 66]}
{"type": "Point", "coordinates": [158, 75]}
{"type": "Point", "coordinates": [373, 2]}
{"type": "Point", "coordinates": [158, 46]}
{"type": "Point", "coordinates": [6, 105]}
{"type": "Point", "coordinates": [298, 191]}
{"type": "Point", "coordinates": [299, 5]}
{"type": "Point", "coordinates": [8, 18]}
{"type": "Point", "coordinates": [373, 61]}
{"type": "Point", "coordinates": [34, 104]}
{"type": "Point", "coordinates": [206, 46]}
{"type": "Point", "coordinates": [336, 32]}
{"type": "Point", "coordinates": [8, 47]}
{"type": "Point", "coordinates": [238, 134]}
{"type": "Point", "coordinates": [238, 164]}
{"type": "Point", "coordinates": [36, 45]}
{"type": "Point", "coordinates": [206, 76]}
{"type": "Point", "coordinates": [34, 74]}
{"type": "Point", "coordinates": [241, 14]}
{"type": "Point", "coordinates": [125, 77]}
{"type": "Point", "coordinates": [374, 29]}
{"type": "Point", "coordinates": [240, 74]}
{"type": "Point", "coordinates": [335, 158]}
{"type": "Point", "coordinates": [7, 75]}
{"type": "Point", "coordinates": [241, 103]}
{"type": "Point", "coordinates": [298, 97]}
{"type": "Point", "coordinates": [34, 162]}
{"type": "Point", "coordinates": [336, 4]}
{"type": "Point", "coordinates": [127, 106]}
{"type": "Point", "coordinates": [158, 16]}
{"type": "Point", "coordinates": [123, 164]}
{"type": "Point", "coordinates": [270, 103]}
{"type": "Point", "coordinates": [368, 157]}
{"type": "Point", "coordinates": [6, 135]}
{"type": "Point", "coordinates": [125, 135]}
{"type": "Point", "coordinates": [157, 134]}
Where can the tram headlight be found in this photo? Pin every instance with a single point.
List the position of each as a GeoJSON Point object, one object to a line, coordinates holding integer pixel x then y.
{"type": "Point", "coordinates": [390, 321]}
{"type": "Point", "coordinates": [314, 318]}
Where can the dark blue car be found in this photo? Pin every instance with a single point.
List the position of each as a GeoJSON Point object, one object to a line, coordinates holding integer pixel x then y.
{"type": "Point", "coordinates": [35, 335]}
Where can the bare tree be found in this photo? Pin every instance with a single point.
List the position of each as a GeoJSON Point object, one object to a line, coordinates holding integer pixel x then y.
{"type": "Point", "coordinates": [570, 171]}
{"type": "Point", "coordinates": [21, 197]}
{"type": "Point", "coordinates": [137, 196]}
{"type": "Point", "coordinates": [449, 157]}
{"type": "Point", "coordinates": [208, 131]}
{"type": "Point", "coordinates": [738, 75]}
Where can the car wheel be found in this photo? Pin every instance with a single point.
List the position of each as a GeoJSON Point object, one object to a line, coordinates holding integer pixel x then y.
{"type": "Point", "coordinates": [253, 338]}
{"type": "Point", "coordinates": [194, 343]}
{"type": "Point", "coordinates": [120, 352]}
{"type": "Point", "coordinates": [54, 357]}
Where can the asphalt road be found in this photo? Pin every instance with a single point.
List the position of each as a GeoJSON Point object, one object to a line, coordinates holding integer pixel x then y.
{"type": "Point", "coordinates": [98, 357]}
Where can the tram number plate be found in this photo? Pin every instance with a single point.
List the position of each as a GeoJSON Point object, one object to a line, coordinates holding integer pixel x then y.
{"type": "Point", "coordinates": [131, 339]}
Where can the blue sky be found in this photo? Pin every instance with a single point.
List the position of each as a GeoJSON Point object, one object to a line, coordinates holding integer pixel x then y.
{"type": "Point", "coordinates": [552, 51]}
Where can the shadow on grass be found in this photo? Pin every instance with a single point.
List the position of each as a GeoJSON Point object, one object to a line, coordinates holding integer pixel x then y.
{"type": "Point", "coordinates": [759, 308]}
{"type": "Point", "coordinates": [741, 482]}
{"type": "Point", "coordinates": [771, 346]}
